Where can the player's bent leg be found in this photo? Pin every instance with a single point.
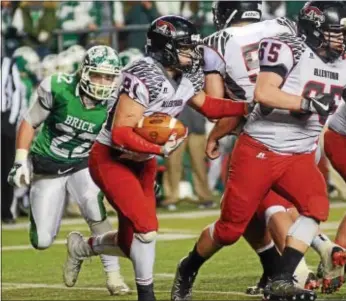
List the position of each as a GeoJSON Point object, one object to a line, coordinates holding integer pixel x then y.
{"type": "Point", "coordinates": [312, 203]}
{"type": "Point", "coordinates": [129, 187]}
{"type": "Point", "coordinates": [238, 206]}
{"type": "Point", "coordinates": [90, 201]}
{"type": "Point", "coordinates": [47, 197]}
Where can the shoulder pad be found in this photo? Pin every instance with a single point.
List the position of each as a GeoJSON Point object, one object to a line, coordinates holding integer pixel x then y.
{"type": "Point", "coordinates": [296, 44]}
{"type": "Point", "coordinates": [288, 23]}
{"type": "Point", "coordinates": [218, 41]}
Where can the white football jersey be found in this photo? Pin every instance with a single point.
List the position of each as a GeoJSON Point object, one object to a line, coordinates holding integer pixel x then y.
{"type": "Point", "coordinates": [338, 121]}
{"type": "Point", "coordinates": [147, 82]}
{"type": "Point", "coordinates": [304, 74]}
{"type": "Point", "coordinates": [233, 52]}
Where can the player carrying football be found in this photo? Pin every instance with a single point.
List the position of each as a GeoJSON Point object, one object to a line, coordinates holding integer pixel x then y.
{"type": "Point", "coordinates": [277, 148]}
{"type": "Point", "coordinates": [121, 161]}
{"type": "Point", "coordinates": [70, 108]}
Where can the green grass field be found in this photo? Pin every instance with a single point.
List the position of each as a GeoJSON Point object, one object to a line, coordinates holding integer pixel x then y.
{"type": "Point", "coordinates": [28, 274]}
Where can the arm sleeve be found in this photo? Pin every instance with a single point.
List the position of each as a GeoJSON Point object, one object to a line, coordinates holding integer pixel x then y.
{"type": "Point", "coordinates": [275, 56]}
{"type": "Point", "coordinates": [41, 105]}
{"type": "Point", "coordinates": [135, 88]}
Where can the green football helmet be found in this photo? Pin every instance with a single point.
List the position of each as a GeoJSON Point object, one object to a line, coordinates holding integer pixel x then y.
{"type": "Point", "coordinates": [99, 60]}
{"type": "Point", "coordinates": [128, 56]}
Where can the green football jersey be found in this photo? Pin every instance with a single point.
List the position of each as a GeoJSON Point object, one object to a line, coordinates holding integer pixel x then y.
{"type": "Point", "coordinates": [70, 129]}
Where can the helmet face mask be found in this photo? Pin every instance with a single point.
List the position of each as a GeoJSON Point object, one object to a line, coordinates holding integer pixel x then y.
{"type": "Point", "coordinates": [323, 26]}
{"type": "Point", "coordinates": [175, 43]}
{"type": "Point", "coordinates": [99, 72]}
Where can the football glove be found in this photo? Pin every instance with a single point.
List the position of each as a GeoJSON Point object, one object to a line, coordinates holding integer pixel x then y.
{"type": "Point", "coordinates": [322, 104]}
{"type": "Point", "coordinates": [173, 143]}
{"type": "Point", "coordinates": [19, 175]}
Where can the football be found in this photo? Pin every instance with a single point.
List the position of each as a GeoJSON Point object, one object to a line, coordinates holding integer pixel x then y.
{"type": "Point", "coordinates": [157, 128]}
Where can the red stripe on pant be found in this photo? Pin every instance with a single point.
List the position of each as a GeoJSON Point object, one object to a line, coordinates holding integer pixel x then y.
{"type": "Point", "coordinates": [335, 149]}
{"type": "Point", "coordinates": [129, 188]}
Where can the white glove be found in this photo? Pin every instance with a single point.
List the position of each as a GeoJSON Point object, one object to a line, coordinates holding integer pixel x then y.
{"type": "Point", "coordinates": [19, 175]}
{"type": "Point", "coordinates": [173, 143]}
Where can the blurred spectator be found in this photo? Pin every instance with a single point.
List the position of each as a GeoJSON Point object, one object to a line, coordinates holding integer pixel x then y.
{"type": "Point", "coordinates": [142, 13]}
{"type": "Point", "coordinates": [12, 106]}
{"type": "Point", "coordinates": [195, 144]}
{"type": "Point", "coordinates": [118, 14]}
{"type": "Point", "coordinates": [180, 8]}
{"type": "Point", "coordinates": [76, 15]}
{"type": "Point", "coordinates": [205, 18]}
{"type": "Point", "coordinates": [35, 21]}
{"type": "Point", "coordinates": [9, 38]}
{"type": "Point", "coordinates": [293, 8]}
{"type": "Point", "coordinates": [273, 9]}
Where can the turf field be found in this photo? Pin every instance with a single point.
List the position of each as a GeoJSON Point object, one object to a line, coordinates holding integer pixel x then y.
{"type": "Point", "coordinates": [28, 274]}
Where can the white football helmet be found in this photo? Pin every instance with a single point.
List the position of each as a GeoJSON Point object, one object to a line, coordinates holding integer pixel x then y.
{"type": "Point", "coordinates": [30, 57]}
{"type": "Point", "coordinates": [65, 62]}
{"type": "Point", "coordinates": [128, 56]}
{"type": "Point", "coordinates": [77, 53]}
{"type": "Point", "coordinates": [48, 65]}
{"type": "Point", "coordinates": [100, 60]}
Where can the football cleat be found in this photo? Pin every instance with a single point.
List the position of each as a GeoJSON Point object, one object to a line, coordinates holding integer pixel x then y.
{"type": "Point", "coordinates": [312, 282]}
{"type": "Point", "coordinates": [116, 284]}
{"type": "Point", "coordinates": [182, 285]}
{"type": "Point", "coordinates": [73, 262]}
{"type": "Point", "coordinates": [259, 287]}
{"type": "Point", "coordinates": [283, 288]}
{"type": "Point", "coordinates": [332, 268]}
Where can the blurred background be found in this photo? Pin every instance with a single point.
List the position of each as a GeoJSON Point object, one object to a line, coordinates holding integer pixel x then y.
{"type": "Point", "coordinates": [44, 37]}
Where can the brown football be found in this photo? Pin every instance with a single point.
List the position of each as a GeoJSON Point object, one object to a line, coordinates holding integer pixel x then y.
{"type": "Point", "coordinates": [157, 128]}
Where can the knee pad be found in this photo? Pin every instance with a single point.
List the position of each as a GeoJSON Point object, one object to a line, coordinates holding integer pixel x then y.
{"type": "Point", "coordinates": [227, 233]}
{"type": "Point", "coordinates": [304, 229]}
{"type": "Point", "coordinates": [146, 237]}
{"type": "Point", "coordinates": [271, 211]}
{"type": "Point", "coordinates": [41, 240]}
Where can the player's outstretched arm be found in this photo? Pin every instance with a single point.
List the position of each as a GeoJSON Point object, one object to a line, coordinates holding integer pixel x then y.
{"type": "Point", "coordinates": [212, 107]}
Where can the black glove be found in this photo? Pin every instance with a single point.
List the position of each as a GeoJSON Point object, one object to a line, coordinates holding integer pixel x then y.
{"type": "Point", "coordinates": [321, 104]}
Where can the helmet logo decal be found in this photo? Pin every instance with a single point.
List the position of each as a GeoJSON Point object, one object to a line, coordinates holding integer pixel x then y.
{"type": "Point", "coordinates": [343, 22]}
{"type": "Point", "coordinates": [164, 27]}
{"type": "Point", "coordinates": [312, 13]}
{"type": "Point", "coordinates": [251, 15]}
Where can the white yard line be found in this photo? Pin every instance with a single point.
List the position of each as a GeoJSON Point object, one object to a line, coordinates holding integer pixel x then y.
{"type": "Point", "coordinates": [16, 286]}
{"type": "Point", "coordinates": [114, 219]}
{"type": "Point", "coordinates": [161, 216]}
{"type": "Point", "coordinates": [161, 237]}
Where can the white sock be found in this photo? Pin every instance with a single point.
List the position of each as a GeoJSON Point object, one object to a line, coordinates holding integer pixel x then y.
{"type": "Point", "coordinates": [143, 257]}
{"type": "Point", "coordinates": [107, 244]}
{"type": "Point", "coordinates": [319, 242]}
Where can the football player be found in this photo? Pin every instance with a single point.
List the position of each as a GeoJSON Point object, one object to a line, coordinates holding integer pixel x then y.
{"type": "Point", "coordinates": [72, 109]}
{"type": "Point", "coordinates": [231, 66]}
{"type": "Point", "coordinates": [122, 163]}
{"type": "Point", "coordinates": [279, 140]}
